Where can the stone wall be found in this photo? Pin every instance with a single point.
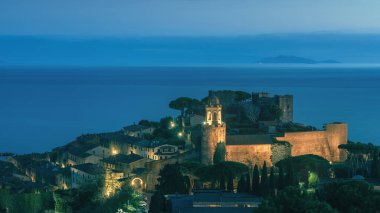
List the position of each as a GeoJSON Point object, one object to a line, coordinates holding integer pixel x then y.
{"type": "Point", "coordinates": [322, 143]}
{"type": "Point", "coordinates": [285, 103]}
{"type": "Point", "coordinates": [249, 154]}
{"type": "Point", "coordinates": [211, 135]}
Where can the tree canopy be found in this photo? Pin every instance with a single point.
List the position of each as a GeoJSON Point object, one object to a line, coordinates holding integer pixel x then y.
{"type": "Point", "coordinates": [304, 164]}
{"type": "Point", "coordinates": [220, 153]}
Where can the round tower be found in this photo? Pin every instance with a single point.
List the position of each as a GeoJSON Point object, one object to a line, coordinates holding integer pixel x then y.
{"type": "Point", "coordinates": [213, 130]}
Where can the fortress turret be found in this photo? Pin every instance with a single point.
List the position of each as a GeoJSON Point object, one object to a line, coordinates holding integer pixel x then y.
{"type": "Point", "coordinates": [213, 129]}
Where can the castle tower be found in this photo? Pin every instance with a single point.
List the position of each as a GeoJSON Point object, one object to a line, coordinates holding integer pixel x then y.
{"type": "Point", "coordinates": [213, 129]}
{"type": "Point", "coordinates": [337, 135]}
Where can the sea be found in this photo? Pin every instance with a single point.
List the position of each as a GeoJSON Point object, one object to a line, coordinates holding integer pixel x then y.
{"type": "Point", "coordinates": [45, 107]}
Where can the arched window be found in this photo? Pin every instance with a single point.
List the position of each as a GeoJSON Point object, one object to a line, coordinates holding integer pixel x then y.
{"type": "Point", "coordinates": [215, 118]}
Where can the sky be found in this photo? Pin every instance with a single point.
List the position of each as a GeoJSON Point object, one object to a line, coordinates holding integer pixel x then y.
{"type": "Point", "coordinates": [186, 17]}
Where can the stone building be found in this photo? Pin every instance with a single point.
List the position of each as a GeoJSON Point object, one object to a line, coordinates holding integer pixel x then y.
{"type": "Point", "coordinates": [284, 102]}
{"type": "Point", "coordinates": [323, 143]}
{"type": "Point", "coordinates": [255, 149]}
{"type": "Point", "coordinates": [213, 130]}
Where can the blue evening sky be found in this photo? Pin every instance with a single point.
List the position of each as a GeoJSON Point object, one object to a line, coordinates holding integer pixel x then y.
{"type": "Point", "coordinates": [186, 17]}
{"type": "Point", "coordinates": [178, 32]}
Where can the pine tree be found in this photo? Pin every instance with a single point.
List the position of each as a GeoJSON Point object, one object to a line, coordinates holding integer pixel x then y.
{"type": "Point", "coordinates": [272, 182]}
{"type": "Point", "coordinates": [264, 184]}
{"type": "Point", "coordinates": [230, 183]}
{"type": "Point", "coordinates": [256, 181]}
{"type": "Point", "coordinates": [375, 166]}
{"type": "Point", "coordinates": [281, 181]}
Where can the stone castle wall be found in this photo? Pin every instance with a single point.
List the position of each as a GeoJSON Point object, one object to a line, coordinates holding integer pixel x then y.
{"type": "Point", "coordinates": [211, 135]}
{"type": "Point", "coordinates": [322, 143]}
{"type": "Point", "coordinates": [250, 154]}
{"type": "Point", "coordinates": [285, 103]}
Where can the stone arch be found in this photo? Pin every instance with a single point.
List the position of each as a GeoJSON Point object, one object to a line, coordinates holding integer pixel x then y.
{"type": "Point", "coordinates": [138, 183]}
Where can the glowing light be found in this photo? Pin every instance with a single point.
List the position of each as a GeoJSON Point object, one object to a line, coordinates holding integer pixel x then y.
{"type": "Point", "coordinates": [180, 134]}
{"type": "Point", "coordinates": [115, 152]}
{"type": "Point", "coordinates": [138, 179]}
{"type": "Point", "coordinates": [172, 124]}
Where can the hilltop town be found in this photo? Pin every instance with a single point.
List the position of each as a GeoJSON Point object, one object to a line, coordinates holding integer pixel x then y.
{"type": "Point", "coordinates": [234, 131]}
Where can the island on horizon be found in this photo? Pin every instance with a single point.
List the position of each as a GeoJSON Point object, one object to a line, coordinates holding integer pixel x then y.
{"type": "Point", "coordinates": [290, 59]}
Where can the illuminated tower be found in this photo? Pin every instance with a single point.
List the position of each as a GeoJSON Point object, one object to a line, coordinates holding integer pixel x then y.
{"type": "Point", "coordinates": [213, 129]}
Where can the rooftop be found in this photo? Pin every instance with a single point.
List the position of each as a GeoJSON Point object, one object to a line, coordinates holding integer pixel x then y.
{"type": "Point", "coordinates": [248, 139]}
{"type": "Point", "coordinates": [89, 168]}
{"type": "Point", "coordinates": [121, 158]}
{"type": "Point", "coordinates": [149, 144]}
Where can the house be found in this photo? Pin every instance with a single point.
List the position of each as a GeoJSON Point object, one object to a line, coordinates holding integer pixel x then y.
{"type": "Point", "coordinates": [124, 163]}
{"type": "Point", "coordinates": [75, 157]}
{"type": "Point", "coordinates": [100, 151]}
{"type": "Point", "coordinates": [154, 150]}
{"type": "Point", "coordinates": [138, 130]}
{"type": "Point", "coordinates": [85, 174]}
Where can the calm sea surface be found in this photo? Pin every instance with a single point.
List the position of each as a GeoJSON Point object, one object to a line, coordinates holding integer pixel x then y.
{"type": "Point", "coordinates": [42, 108]}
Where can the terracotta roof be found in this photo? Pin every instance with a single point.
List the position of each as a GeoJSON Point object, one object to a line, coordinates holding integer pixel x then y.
{"type": "Point", "coordinates": [248, 139]}
{"type": "Point", "coordinates": [121, 158]}
{"type": "Point", "coordinates": [90, 168]}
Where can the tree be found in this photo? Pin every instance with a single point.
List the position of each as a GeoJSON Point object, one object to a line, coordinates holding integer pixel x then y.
{"type": "Point", "coordinates": [299, 167]}
{"type": "Point", "coordinates": [157, 203]}
{"type": "Point", "coordinates": [293, 199]}
{"type": "Point", "coordinates": [220, 153]}
{"type": "Point", "coordinates": [256, 180]}
{"type": "Point", "coordinates": [281, 179]}
{"type": "Point", "coordinates": [264, 184]}
{"type": "Point", "coordinates": [171, 180]}
{"type": "Point", "coordinates": [272, 182]}
{"type": "Point", "coordinates": [183, 103]}
{"type": "Point", "coordinates": [350, 196]}
{"type": "Point", "coordinates": [358, 155]}
{"type": "Point", "coordinates": [242, 185]}
{"type": "Point", "coordinates": [375, 166]}
{"type": "Point", "coordinates": [241, 96]}
{"type": "Point", "coordinates": [230, 183]}
{"type": "Point", "coordinates": [290, 179]}
{"type": "Point", "coordinates": [222, 183]}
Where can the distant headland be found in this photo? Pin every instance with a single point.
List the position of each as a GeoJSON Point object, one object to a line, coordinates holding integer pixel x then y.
{"type": "Point", "coordinates": [289, 59]}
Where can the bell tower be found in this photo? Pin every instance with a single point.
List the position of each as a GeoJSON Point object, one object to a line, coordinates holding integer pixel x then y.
{"type": "Point", "coordinates": [213, 129]}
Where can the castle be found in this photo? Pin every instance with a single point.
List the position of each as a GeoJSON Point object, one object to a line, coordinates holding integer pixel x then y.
{"type": "Point", "coordinates": [255, 149]}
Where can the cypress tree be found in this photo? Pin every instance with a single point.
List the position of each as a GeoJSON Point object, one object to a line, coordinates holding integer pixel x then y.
{"type": "Point", "coordinates": [281, 180]}
{"type": "Point", "coordinates": [375, 166]}
{"type": "Point", "coordinates": [230, 183]}
{"type": "Point", "coordinates": [290, 180]}
{"type": "Point", "coordinates": [272, 184]}
{"type": "Point", "coordinates": [241, 185]}
{"type": "Point", "coordinates": [220, 153]}
{"type": "Point", "coordinates": [256, 181]}
{"type": "Point", "coordinates": [157, 203]}
{"type": "Point", "coordinates": [222, 183]}
{"type": "Point", "coordinates": [264, 184]}
{"type": "Point", "coordinates": [248, 186]}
